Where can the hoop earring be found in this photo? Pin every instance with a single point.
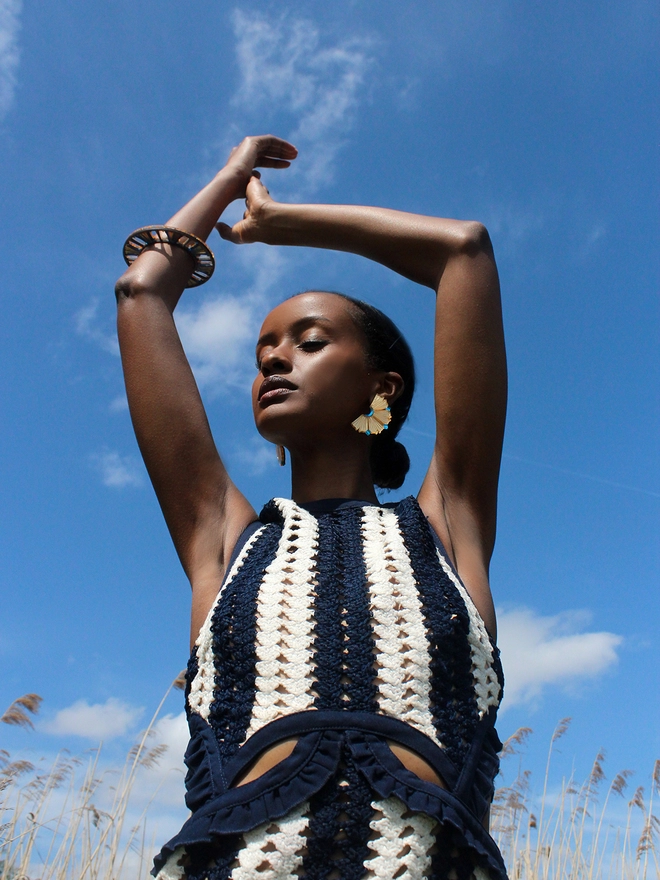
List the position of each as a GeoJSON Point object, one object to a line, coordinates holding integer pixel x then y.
{"type": "Point", "coordinates": [376, 420]}
{"type": "Point", "coordinates": [281, 455]}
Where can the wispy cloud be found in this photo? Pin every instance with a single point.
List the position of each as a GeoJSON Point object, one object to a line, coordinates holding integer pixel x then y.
{"type": "Point", "coordinates": [582, 475]}
{"type": "Point", "coordinates": [595, 234]}
{"type": "Point", "coordinates": [159, 788]}
{"type": "Point", "coordinates": [540, 651]}
{"type": "Point", "coordinates": [310, 88]}
{"type": "Point", "coordinates": [172, 732]}
{"type": "Point", "coordinates": [88, 324]}
{"type": "Point", "coordinates": [118, 471]}
{"type": "Point", "coordinates": [216, 336]}
{"type": "Point", "coordinates": [256, 456]}
{"type": "Point", "coordinates": [315, 85]}
{"type": "Point", "coordinates": [96, 721]}
{"type": "Point", "coordinates": [10, 11]}
{"type": "Point", "coordinates": [512, 225]}
{"type": "Point", "coordinates": [119, 404]}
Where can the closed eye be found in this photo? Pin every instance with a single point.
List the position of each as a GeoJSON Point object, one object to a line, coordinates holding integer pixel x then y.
{"type": "Point", "coordinates": [313, 344]}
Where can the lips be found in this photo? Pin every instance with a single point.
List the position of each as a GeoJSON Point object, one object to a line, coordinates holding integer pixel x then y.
{"type": "Point", "coordinates": [274, 387]}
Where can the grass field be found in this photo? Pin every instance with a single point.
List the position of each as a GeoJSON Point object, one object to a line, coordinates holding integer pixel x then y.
{"type": "Point", "coordinates": [52, 827]}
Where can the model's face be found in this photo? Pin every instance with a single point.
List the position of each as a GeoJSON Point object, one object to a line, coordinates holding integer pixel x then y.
{"type": "Point", "coordinates": [313, 378]}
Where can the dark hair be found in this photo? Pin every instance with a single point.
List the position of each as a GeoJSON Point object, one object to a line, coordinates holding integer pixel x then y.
{"type": "Point", "coordinates": [386, 350]}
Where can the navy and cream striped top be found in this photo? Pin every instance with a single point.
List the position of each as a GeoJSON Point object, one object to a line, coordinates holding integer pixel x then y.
{"type": "Point", "coordinates": [341, 622]}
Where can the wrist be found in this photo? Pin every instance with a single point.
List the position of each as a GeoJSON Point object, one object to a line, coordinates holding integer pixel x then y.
{"type": "Point", "coordinates": [233, 180]}
{"type": "Point", "coordinates": [278, 224]}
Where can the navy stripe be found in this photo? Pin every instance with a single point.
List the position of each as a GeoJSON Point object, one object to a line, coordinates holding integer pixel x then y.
{"type": "Point", "coordinates": [234, 645]}
{"type": "Point", "coordinates": [356, 831]}
{"type": "Point", "coordinates": [453, 699]}
{"type": "Point", "coordinates": [337, 839]}
{"type": "Point", "coordinates": [221, 856]}
{"type": "Point", "coordinates": [192, 669]}
{"type": "Point", "coordinates": [361, 687]}
{"type": "Point", "coordinates": [327, 619]}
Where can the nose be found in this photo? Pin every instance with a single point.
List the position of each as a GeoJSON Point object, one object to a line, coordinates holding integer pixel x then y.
{"type": "Point", "coordinates": [275, 360]}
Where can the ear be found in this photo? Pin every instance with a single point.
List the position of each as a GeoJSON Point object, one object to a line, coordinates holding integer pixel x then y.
{"type": "Point", "coordinates": [390, 387]}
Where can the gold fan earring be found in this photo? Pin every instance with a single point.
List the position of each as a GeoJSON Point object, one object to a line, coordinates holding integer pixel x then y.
{"type": "Point", "coordinates": [376, 420]}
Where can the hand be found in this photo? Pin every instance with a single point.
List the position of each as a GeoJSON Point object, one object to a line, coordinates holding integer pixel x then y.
{"type": "Point", "coordinates": [252, 227]}
{"type": "Point", "coordinates": [262, 151]}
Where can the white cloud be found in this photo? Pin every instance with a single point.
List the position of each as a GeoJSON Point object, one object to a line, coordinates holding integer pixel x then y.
{"type": "Point", "coordinates": [217, 335]}
{"type": "Point", "coordinates": [168, 773]}
{"type": "Point", "coordinates": [87, 325]}
{"type": "Point", "coordinates": [285, 67]}
{"type": "Point", "coordinates": [256, 456]}
{"type": "Point", "coordinates": [119, 404]}
{"type": "Point", "coordinates": [118, 471]}
{"type": "Point", "coordinates": [512, 225]}
{"type": "Point", "coordinates": [98, 721]}
{"type": "Point", "coordinates": [539, 651]}
{"type": "Point", "coordinates": [596, 233]}
{"type": "Point", "coordinates": [10, 11]}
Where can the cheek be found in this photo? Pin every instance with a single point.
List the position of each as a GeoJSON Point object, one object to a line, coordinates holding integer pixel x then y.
{"type": "Point", "coordinates": [254, 393]}
{"type": "Point", "coordinates": [342, 383]}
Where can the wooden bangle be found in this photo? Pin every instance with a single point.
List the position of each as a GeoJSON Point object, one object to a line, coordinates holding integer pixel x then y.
{"type": "Point", "coordinates": [147, 236]}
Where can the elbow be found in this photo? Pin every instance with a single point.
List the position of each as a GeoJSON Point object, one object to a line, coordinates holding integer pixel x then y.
{"type": "Point", "coordinates": [473, 238]}
{"type": "Point", "coordinates": [129, 287]}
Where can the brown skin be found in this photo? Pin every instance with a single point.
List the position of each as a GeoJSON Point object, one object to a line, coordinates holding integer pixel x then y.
{"type": "Point", "coordinates": [311, 342]}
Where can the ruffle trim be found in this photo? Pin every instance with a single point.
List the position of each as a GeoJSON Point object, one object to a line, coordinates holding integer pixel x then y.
{"type": "Point", "coordinates": [312, 763]}
{"type": "Point", "coordinates": [291, 782]}
{"type": "Point", "coordinates": [387, 776]}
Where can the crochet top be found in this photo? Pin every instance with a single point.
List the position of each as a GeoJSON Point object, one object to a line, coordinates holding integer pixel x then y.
{"type": "Point", "coordinates": [345, 625]}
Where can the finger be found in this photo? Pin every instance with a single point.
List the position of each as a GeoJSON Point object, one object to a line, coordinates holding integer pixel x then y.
{"type": "Point", "coordinates": [276, 147]}
{"type": "Point", "coordinates": [255, 180]}
{"type": "Point", "coordinates": [227, 233]}
{"type": "Point", "coordinates": [254, 189]}
{"type": "Point", "coordinates": [268, 162]}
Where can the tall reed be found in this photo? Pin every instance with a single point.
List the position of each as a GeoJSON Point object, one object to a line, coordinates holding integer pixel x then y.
{"type": "Point", "coordinates": [577, 833]}
{"type": "Point", "coordinates": [52, 828]}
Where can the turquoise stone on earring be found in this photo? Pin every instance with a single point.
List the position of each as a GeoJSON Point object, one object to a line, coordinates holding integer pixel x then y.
{"type": "Point", "coordinates": [376, 420]}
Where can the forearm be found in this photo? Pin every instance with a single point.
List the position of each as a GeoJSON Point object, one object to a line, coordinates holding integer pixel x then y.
{"type": "Point", "coordinates": [201, 213]}
{"type": "Point", "coordinates": [165, 269]}
{"type": "Point", "coordinates": [415, 246]}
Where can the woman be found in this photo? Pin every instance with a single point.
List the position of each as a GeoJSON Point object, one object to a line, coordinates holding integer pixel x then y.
{"type": "Point", "coordinates": [343, 682]}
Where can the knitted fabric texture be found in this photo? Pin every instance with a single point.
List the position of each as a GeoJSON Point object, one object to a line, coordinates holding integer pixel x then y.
{"type": "Point", "coordinates": [344, 630]}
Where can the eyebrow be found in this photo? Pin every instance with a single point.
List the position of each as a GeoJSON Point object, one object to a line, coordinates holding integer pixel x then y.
{"type": "Point", "coordinates": [297, 326]}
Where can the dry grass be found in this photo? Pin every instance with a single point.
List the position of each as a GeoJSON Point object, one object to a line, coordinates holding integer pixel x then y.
{"type": "Point", "coordinates": [577, 833]}
{"type": "Point", "coordinates": [50, 825]}
{"type": "Point", "coordinates": [52, 829]}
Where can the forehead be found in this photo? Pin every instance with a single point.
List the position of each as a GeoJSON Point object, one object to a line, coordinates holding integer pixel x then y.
{"type": "Point", "coordinates": [326, 309]}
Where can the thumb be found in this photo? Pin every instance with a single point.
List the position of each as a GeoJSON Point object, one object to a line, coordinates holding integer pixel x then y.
{"type": "Point", "coordinates": [225, 231]}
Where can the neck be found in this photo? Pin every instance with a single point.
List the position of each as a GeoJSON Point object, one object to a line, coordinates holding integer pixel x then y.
{"type": "Point", "coordinates": [338, 472]}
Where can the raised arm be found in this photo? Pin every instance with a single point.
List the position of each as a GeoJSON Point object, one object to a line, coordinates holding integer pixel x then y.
{"type": "Point", "coordinates": [455, 259]}
{"type": "Point", "coordinates": [204, 511]}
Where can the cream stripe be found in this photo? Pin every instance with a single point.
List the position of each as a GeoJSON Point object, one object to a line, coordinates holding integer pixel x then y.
{"type": "Point", "coordinates": [172, 870]}
{"type": "Point", "coordinates": [486, 685]}
{"type": "Point", "coordinates": [403, 658]}
{"type": "Point", "coordinates": [285, 622]}
{"type": "Point", "coordinates": [273, 855]}
{"type": "Point", "coordinates": [403, 847]}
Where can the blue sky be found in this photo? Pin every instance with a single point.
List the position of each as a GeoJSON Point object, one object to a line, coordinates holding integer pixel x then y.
{"type": "Point", "coordinates": [538, 119]}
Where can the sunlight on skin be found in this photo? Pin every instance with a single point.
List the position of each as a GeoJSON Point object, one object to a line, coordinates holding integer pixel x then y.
{"type": "Point", "coordinates": [268, 759]}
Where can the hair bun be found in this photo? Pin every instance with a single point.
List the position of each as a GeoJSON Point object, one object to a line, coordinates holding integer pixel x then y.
{"type": "Point", "coordinates": [389, 462]}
